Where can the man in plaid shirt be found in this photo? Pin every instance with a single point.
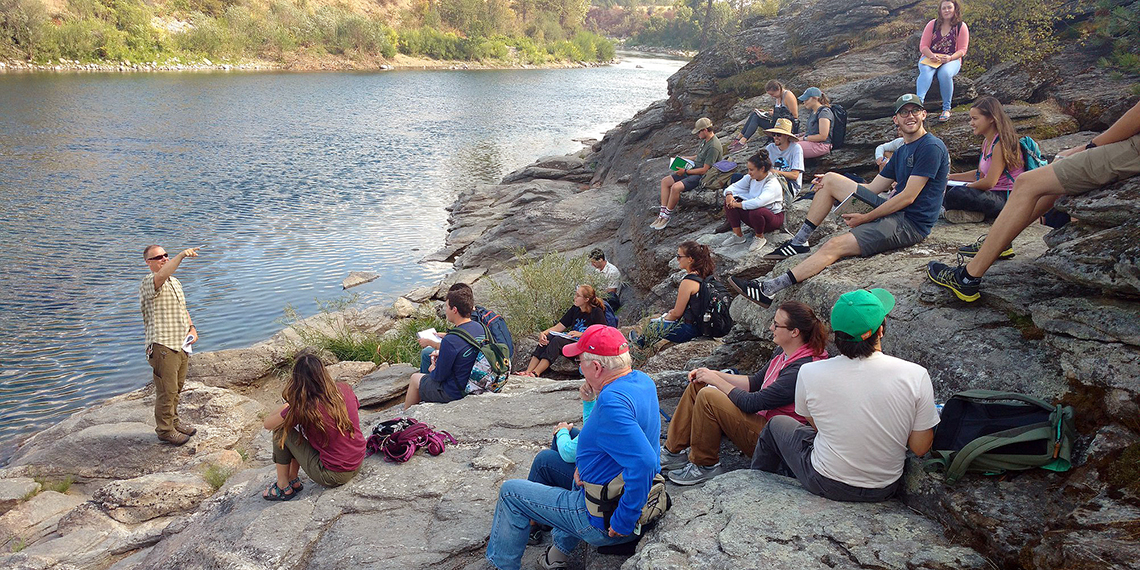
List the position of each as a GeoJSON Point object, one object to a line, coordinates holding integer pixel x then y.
{"type": "Point", "coordinates": [167, 326]}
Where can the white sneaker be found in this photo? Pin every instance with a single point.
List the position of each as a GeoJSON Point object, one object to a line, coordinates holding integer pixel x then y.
{"type": "Point", "coordinates": [733, 239]}
{"type": "Point", "coordinates": [692, 474]}
{"type": "Point", "coordinates": [671, 461]}
{"type": "Point", "coordinates": [758, 242]}
{"type": "Point", "coordinates": [660, 223]}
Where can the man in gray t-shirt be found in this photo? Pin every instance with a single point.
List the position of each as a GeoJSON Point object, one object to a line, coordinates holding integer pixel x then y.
{"type": "Point", "coordinates": [708, 154]}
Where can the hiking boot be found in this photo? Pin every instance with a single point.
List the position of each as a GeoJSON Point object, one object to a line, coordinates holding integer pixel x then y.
{"type": "Point", "coordinates": [786, 250]}
{"type": "Point", "coordinates": [725, 227]}
{"type": "Point", "coordinates": [174, 438]}
{"type": "Point", "coordinates": [758, 242]}
{"type": "Point", "coordinates": [963, 216]}
{"type": "Point", "coordinates": [952, 279]}
{"type": "Point", "coordinates": [692, 474]}
{"type": "Point", "coordinates": [972, 249]}
{"type": "Point", "coordinates": [750, 290]}
{"type": "Point", "coordinates": [185, 429]}
{"type": "Point", "coordinates": [671, 461]}
{"type": "Point", "coordinates": [660, 223]}
{"type": "Point", "coordinates": [733, 240]}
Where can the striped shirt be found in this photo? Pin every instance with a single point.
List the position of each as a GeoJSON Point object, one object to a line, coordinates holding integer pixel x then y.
{"type": "Point", "coordinates": [164, 313]}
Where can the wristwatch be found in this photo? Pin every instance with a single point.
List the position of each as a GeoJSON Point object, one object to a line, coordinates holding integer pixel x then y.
{"type": "Point", "coordinates": [1090, 145]}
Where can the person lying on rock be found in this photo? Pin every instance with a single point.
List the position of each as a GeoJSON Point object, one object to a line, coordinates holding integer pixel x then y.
{"type": "Point", "coordinates": [621, 438]}
{"type": "Point", "coordinates": [757, 200]}
{"type": "Point", "coordinates": [999, 165]}
{"type": "Point", "coordinates": [612, 275]}
{"type": "Point", "coordinates": [447, 380]}
{"type": "Point", "coordinates": [787, 107]}
{"type": "Point", "coordinates": [708, 153]}
{"type": "Point", "coordinates": [921, 166]}
{"type": "Point", "coordinates": [318, 429]}
{"type": "Point", "coordinates": [1111, 156]}
{"type": "Point", "coordinates": [738, 406]}
{"type": "Point", "coordinates": [864, 409]}
{"type": "Point", "coordinates": [587, 310]}
{"type": "Point", "coordinates": [494, 322]}
{"type": "Point", "coordinates": [679, 324]}
{"type": "Point", "coordinates": [554, 467]}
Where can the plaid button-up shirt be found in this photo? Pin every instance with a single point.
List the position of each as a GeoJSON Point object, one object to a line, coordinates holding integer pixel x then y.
{"type": "Point", "coordinates": [164, 313]}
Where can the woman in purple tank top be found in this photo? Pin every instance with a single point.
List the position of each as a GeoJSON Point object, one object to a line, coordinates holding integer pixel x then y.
{"type": "Point", "coordinates": [1000, 163]}
{"type": "Point", "coordinates": [943, 45]}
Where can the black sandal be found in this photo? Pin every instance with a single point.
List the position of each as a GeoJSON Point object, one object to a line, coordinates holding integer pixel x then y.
{"type": "Point", "coordinates": [297, 485]}
{"type": "Point", "coordinates": [275, 493]}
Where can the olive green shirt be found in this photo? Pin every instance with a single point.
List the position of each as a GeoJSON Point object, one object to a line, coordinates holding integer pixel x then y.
{"type": "Point", "coordinates": [709, 153]}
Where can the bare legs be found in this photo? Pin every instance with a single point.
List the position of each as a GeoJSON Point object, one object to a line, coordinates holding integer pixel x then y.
{"type": "Point", "coordinates": [1033, 194]}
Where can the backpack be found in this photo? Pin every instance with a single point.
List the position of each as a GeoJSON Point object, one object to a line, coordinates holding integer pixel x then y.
{"type": "Point", "coordinates": [602, 500]}
{"type": "Point", "coordinates": [711, 310]}
{"type": "Point", "coordinates": [400, 438]}
{"type": "Point", "coordinates": [498, 326]}
{"type": "Point", "coordinates": [492, 362]}
{"type": "Point", "coordinates": [993, 432]}
{"type": "Point", "coordinates": [839, 129]}
{"type": "Point", "coordinates": [611, 317]}
{"type": "Point", "coordinates": [1032, 154]}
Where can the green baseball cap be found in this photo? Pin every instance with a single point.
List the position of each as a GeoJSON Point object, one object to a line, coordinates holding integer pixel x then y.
{"type": "Point", "coordinates": [861, 313]}
{"type": "Point", "coordinates": [908, 99]}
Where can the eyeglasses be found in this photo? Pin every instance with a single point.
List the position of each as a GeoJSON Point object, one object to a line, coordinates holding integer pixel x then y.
{"type": "Point", "coordinates": [910, 112]}
{"type": "Point", "coordinates": [679, 256]}
{"type": "Point", "coordinates": [778, 326]}
{"type": "Point", "coordinates": [158, 257]}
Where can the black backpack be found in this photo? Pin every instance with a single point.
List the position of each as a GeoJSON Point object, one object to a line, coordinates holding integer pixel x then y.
{"type": "Point", "coordinates": [711, 309]}
{"type": "Point", "coordinates": [993, 432]}
{"type": "Point", "coordinates": [839, 129]}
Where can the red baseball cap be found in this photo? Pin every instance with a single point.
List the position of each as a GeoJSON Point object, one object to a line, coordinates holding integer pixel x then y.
{"type": "Point", "coordinates": [601, 340]}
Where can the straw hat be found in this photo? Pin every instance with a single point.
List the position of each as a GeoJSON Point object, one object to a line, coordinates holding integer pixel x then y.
{"type": "Point", "coordinates": [783, 127]}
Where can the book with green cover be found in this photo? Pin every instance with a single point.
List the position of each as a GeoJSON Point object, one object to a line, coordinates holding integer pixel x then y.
{"type": "Point", "coordinates": [679, 163]}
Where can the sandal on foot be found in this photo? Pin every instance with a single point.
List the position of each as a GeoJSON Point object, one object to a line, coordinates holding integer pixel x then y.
{"type": "Point", "coordinates": [945, 116]}
{"type": "Point", "coordinates": [297, 485]}
{"type": "Point", "coordinates": [275, 493]}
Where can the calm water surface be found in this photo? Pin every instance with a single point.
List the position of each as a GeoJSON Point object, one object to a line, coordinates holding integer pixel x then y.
{"type": "Point", "coordinates": [288, 180]}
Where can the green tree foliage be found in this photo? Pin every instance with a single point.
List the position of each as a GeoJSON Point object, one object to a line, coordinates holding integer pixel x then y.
{"type": "Point", "coordinates": [1009, 30]}
{"type": "Point", "coordinates": [1118, 24]}
{"type": "Point", "coordinates": [684, 25]}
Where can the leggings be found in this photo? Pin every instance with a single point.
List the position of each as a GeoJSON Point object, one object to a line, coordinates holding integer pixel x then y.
{"type": "Point", "coordinates": [762, 220]}
{"type": "Point", "coordinates": [945, 73]}
{"type": "Point", "coordinates": [755, 121]}
{"type": "Point", "coordinates": [987, 202]}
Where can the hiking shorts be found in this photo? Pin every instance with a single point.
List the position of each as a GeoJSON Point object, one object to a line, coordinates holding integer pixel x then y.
{"type": "Point", "coordinates": [431, 390]}
{"type": "Point", "coordinates": [1096, 167]}
{"type": "Point", "coordinates": [691, 181]}
{"type": "Point", "coordinates": [888, 233]}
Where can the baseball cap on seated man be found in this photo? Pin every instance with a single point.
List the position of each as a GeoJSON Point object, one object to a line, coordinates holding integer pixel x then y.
{"type": "Point", "coordinates": [908, 99]}
{"type": "Point", "coordinates": [860, 313]}
{"type": "Point", "coordinates": [702, 124]}
{"type": "Point", "coordinates": [601, 340]}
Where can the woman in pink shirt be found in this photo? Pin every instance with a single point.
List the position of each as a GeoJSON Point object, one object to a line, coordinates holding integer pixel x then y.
{"type": "Point", "coordinates": [999, 165]}
{"type": "Point", "coordinates": [943, 45]}
{"type": "Point", "coordinates": [318, 429]}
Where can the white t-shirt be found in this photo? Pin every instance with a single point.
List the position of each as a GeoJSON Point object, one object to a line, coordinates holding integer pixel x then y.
{"type": "Point", "coordinates": [612, 275]}
{"type": "Point", "coordinates": [864, 410]}
{"type": "Point", "coordinates": [785, 160]}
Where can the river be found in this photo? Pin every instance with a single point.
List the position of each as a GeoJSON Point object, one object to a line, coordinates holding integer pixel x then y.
{"type": "Point", "coordinates": [288, 181]}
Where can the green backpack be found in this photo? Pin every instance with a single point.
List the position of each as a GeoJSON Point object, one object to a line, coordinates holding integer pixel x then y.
{"type": "Point", "coordinates": [492, 364]}
{"type": "Point", "coordinates": [993, 432]}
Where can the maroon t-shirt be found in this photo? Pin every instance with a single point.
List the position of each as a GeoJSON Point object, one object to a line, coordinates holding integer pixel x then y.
{"type": "Point", "coordinates": [338, 452]}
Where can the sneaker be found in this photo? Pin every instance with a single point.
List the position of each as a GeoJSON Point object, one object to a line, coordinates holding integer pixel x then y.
{"type": "Point", "coordinates": [972, 249]}
{"type": "Point", "coordinates": [750, 290]}
{"type": "Point", "coordinates": [758, 242]}
{"type": "Point", "coordinates": [733, 240]}
{"type": "Point", "coordinates": [963, 217]}
{"type": "Point", "coordinates": [534, 537]}
{"type": "Point", "coordinates": [735, 146]}
{"type": "Point", "coordinates": [545, 563]}
{"type": "Point", "coordinates": [174, 438]}
{"type": "Point", "coordinates": [692, 474]}
{"type": "Point", "coordinates": [723, 228]}
{"type": "Point", "coordinates": [786, 250]}
{"type": "Point", "coordinates": [660, 223]}
{"type": "Point", "coordinates": [951, 278]}
{"type": "Point", "coordinates": [671, 461]}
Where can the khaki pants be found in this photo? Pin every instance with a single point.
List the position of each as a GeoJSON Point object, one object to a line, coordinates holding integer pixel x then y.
{"type": "Point", "coordinates": [299, 448]}
{"type": "Point", "coordinates": [701, 418]}
{"type": "Point", "coordinates": [169, 368]}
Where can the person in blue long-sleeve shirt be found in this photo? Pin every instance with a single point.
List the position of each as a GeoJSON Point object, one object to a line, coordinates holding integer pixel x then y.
{"type": "Point", "coordinates": [621, 437]}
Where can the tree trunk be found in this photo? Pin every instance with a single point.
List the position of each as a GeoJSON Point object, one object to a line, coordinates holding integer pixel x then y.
{"type": "Point", "coordinates": [705, 26]}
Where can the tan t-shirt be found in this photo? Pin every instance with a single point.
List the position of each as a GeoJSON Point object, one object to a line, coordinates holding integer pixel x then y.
{"type": "Point", "coordinates": [164, 312]}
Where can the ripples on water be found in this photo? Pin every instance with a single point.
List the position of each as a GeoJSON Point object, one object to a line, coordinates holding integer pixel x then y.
{"type": "Point", "coordinates": [288, 181]}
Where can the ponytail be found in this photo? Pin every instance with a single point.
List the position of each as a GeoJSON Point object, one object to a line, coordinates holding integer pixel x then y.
{"type": "Point", "coordinates": [813, 331]}
{"type": "Point", "coordinates": [824, 100]}
{"type": "Point", "coordinates": [701, 255]}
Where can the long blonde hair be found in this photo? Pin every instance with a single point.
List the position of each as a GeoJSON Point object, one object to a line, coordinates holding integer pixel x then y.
{"type": "Point", "coordinates": [309, 390]}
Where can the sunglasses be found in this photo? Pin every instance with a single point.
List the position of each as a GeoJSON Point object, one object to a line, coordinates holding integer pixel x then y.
{"type": "Point", "coordinates": [158, 257]}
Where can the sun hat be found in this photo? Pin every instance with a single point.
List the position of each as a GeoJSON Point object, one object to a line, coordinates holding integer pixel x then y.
{"type": "Point", "coordinates": [601, 340]}
{"type": "Point", "coordinates": [702, 123]}
{"type": "Point", "coordinates": [809, 93]}
{"type": "Point", "coordinates": [860, 313]}
{"type": "Point", "coordinates": [908, 99]}
{"type": "Point", "coordinates": [783, 127]}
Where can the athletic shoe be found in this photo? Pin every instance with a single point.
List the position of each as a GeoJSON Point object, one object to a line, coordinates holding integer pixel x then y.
{"type": "Point", "coordinates": [972, 249]}
{"type": "Point", "coordinates": [963, 216]}
{"type": "Point", "coordinates": [750, 290]}
{"type": "Point", "coordinates": [735, 146]}
{"type": "Point", "coordinates": [758, 242]}
{"type": "Point", "coordinates": [660, 223]}
{"type": "Point", "coordinates": [545, 563]}
{"type": "Point", "coordinates": [723, 228]}
{"type": "Point", "coordinates": [951, 278]}
{"type": "Point", "coordinates": [786, 250]}
{"type": "Point", "coordinates": [733, 240]}
{"type": "Point", "coordinates": [692, 474]}
{"type": "Point", "coordinates": [671, 461]}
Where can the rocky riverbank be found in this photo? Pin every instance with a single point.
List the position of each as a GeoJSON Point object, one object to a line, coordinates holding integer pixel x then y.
{"type": "Point", "coordinates": [1058, 321]}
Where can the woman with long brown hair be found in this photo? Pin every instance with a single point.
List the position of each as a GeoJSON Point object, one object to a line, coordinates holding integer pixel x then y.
{"type": "Point", "coordinates": [587, 310]}
{"type": "Point", "coordinates": [318, 429]}
{"type": "Point", "coordinates": [988, 186]}
{"type": "Point", "coordinates": [679, 324]}
{"type": "Point", "coordinates": [943, 45]}
{"type": "Point", "coordinates": [738, 406]}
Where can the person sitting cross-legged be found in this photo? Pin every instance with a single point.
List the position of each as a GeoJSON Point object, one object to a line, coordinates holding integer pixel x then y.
{"type": "Point", "coordinates": [1111, 156]}
{"type": "Point", "coordinates": [739, 406]}
{"type": "Point", "coordinates": [864, 410]}
{"type": "Point", "coordinates": [920, 166]}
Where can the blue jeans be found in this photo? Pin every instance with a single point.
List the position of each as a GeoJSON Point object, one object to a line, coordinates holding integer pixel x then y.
{"type": "Point", "coordinates": [425, 359]}
{"type": "Point", "coordinates": [550, 469]}
{"type": "Point", "coordinates": [945, 73]}
{"type": "Point", "coordinates": [522, 501]}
